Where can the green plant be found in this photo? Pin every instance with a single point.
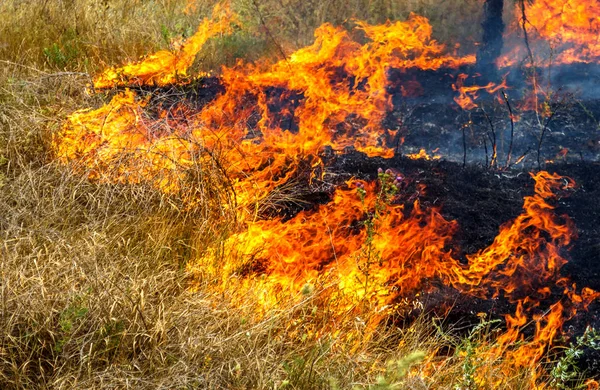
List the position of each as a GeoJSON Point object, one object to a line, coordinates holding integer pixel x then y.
{"type": "Point", "coordinates": [396, 372]}
{"type": "Point", "coordinates": [62, 54]}
{"type": "Point", "coordinates": [112, 334]}
{"type": "Point", "coordinates": [387, 190]}
{"type": "Point", "coordinates": [69, 319]}
{"type": "Point", "coordinates": [179, 30]}
{"type": "Point", "coordinates": [565, 372]}
{"type": "Point", "coordinates": [467, 353]}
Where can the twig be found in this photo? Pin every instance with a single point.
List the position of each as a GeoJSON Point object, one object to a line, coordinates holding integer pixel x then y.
{"type": "Point", "coordinates": [539, 147]}
{"type": "Point", "coordinates": [523, 156]}
{"type": "Point", "coordinates": [512, 128]}
{"type": "Point", "coordinates": [23, 66]}
{"type": "Point", "coordinates": [524, 22]}
{"type": "Point", "coordinates": [464, 147]}
{"type": "Point", "coordinates": [589, 114]}
{"type": "Point", "coordinates": [492, 138]}
{"type": "Point", "coordinates": [43, 73]}
{"type": "Point", "coordinates": [525, 35]}
{"type": "Point", "coordinates": [268, 31]}
{"type": "Point", "coordinates": [398, 144]}
{"type": "Point", "coordinates": [61, 74]}
{"type": "Point", "coordinates": [560, 104]}
{"type": "Point", "coordinates": [486, 151]}
{"type": "Point", "coordinates": [464, 139]}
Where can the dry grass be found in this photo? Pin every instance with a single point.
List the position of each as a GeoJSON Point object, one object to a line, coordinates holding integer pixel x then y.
{"type": "Point", "coordinates": [87, 35]}
{"type": "Point", "coordinates": [293, 22]}
{"type": "Point", "coordinates": [93, 290]}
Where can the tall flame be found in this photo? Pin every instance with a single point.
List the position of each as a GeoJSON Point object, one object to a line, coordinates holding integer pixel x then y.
{"type": "Point", "coordinates": [564, 31]}
{"type": "Point", "coordinates": [165, 67]}
{"type": "Point", "coordinates": [367, 249]}
{"type": "Point", "coordinates": [337, 88]}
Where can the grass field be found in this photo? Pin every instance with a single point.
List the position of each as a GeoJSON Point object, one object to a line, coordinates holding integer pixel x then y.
{"type": "Point", "coordinates": [94, 289]}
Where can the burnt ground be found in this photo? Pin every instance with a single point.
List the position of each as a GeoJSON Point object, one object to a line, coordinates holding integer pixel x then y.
{"type": "Point", "coordinates": [481, 200]}
{"type": "Point", "coordinates": [426, 116]}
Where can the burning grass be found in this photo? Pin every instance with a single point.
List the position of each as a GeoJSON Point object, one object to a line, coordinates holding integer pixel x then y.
{"type": "Point", "coordinates": [162, 271]}
{"type": "Point", "coordinates": [95, 295]}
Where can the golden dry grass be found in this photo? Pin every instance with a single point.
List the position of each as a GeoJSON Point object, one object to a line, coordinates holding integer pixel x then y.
{"type": "Point", "coordinates": [93, 290]}
{"type": "Point", "coordinates": [87, 36]}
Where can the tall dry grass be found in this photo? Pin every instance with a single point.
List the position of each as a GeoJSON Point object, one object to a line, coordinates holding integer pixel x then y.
{"type": "Point", "coordinates": [93, 289]}
{"type": "Point", "coordinates": [88, 35]}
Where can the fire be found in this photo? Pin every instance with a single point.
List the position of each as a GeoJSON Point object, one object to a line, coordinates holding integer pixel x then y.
{"type": "Point", "coordinates": [468, 94]}
{"type": "Point", "coordinates": [333, 92]}
{"type": "Point", "coordinates": [591, 384]}
{"type": "Point", "coordinates": [366, 248]}
{"type": "Point", "coordinates": [518, 253]}
{"type": "Point", "coordinates": [165, 67]}
{"type": "Point", "coordinates": [569, 28]}
{"type": "Point", "coordinates": [422, 155]}
{"type": "Point", "coordinates": [371, 245]}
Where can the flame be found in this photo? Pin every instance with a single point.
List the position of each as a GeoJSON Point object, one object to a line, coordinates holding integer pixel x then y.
{"type": "Point", "coordinates": [528, 260]}
{"type": "Point", "coordinates": [333, 92]}
{"type": "Point", "coordinates": [591, 384]}
{"type": "Point", "coordinates": [165, 67]}
{"type": "Point", "coordinates": [468, 94]}
{"type": "Point", "coordinates": [365, 247]}
{"type": "Point", "coordinates": [422, 155]}
{"type": "Point", "coordinates": [569, 28]}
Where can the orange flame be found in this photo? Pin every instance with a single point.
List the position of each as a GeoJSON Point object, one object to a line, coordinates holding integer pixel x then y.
{"type": "Point", "coordinates": [570, 28]}
{"type": "Point", "coordinates": [165, 67]}
{"type": "Point", "coordinates": [385, 259]}
{"type": "Point", "coordinates": [422, 155]}
{"type": "Point", "coordinates": [340, 100]}
{"type": "Point", "coordinates": [468, 94]}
